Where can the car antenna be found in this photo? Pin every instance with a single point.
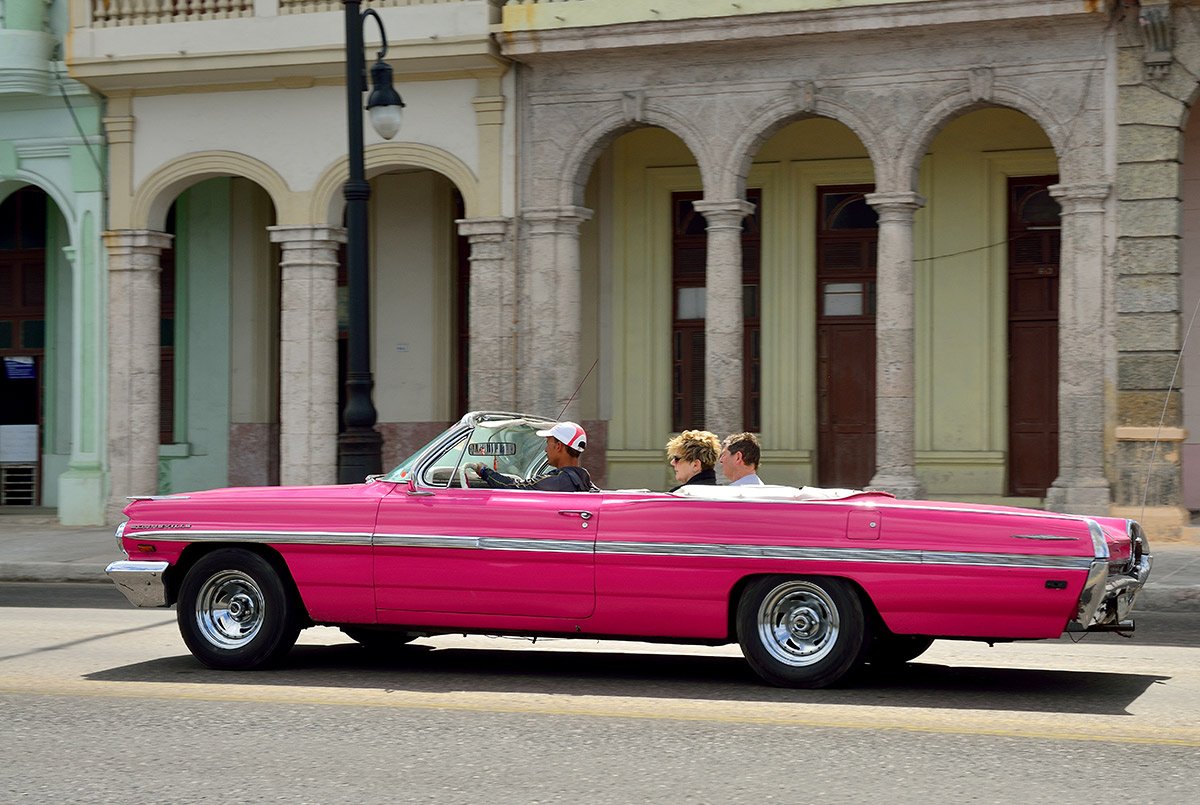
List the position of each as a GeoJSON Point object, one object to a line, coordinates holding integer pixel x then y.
{"type": "Point", "coordinates": [571, 399]}
{"type": "Point", "coordinates": [1166, 404]}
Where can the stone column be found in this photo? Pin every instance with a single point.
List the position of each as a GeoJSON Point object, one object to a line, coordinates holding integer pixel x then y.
{"type": "Point", "coordinates": [1081, 486]}
{"type": "Point", "coordinates": [308, 363]}
{"type": "Point", "coordinates": [723, 330]}
{"type": "Point", "coordinates": [551, 371]}
{"type": "Point", "coordinates": [491, 378]}
{"type": "Point", "coordinates": [895, 346]}
{"type": "Point", "coordinates": [134, 310]}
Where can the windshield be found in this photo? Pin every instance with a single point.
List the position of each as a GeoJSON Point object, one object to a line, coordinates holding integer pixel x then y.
{"type": "Point", "coordinates": [509, 445]}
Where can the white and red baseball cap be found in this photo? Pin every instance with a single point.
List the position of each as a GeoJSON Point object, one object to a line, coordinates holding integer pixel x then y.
{"type": "Point", "coordinates": [568, 433]}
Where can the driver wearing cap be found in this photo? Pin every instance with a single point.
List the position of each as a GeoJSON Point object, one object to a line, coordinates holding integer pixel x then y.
{"type": "Point", "coordinates": [565, 442]}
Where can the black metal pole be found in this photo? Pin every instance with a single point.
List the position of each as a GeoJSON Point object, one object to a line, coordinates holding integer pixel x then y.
{"type": "Point", "coordinates": [359, 444]}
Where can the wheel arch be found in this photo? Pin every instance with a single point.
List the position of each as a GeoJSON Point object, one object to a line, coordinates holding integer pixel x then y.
{"type": "Point", "coordinates": [196, 551]}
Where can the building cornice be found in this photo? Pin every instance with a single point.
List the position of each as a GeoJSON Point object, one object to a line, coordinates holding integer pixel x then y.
{"type": "Point", "coordinates": [529, 44]}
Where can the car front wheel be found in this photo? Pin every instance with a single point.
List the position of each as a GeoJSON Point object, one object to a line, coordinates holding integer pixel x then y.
{"type": "Point", "coordinates": [234, 611]}
{"type": "Point", "coordinates": [802, 632]}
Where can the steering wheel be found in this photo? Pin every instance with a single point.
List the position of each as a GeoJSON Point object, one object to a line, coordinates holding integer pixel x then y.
{"type": "Point", "coordinates": [462, 477]}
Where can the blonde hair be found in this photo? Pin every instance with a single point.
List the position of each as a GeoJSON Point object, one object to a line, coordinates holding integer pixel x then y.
{"type": "Point", "coordinates": [696, 445]}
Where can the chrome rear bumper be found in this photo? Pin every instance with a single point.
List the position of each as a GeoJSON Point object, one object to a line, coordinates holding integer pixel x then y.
{"type": "Point", "coordinates": [141, 582]}
{"type": "Point", "coordinates": [1108, 597]}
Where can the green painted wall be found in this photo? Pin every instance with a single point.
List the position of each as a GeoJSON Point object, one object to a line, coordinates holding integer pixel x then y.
{"type": "Point", "coordinates": [200, 458]}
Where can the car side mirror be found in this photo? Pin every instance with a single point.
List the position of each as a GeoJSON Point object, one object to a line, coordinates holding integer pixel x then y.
{"type": "Point", "coordinates": [412, 489]}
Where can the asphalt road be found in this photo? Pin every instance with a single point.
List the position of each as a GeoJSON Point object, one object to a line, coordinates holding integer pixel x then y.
{"type": "Point", "coordinates": [102, 703]}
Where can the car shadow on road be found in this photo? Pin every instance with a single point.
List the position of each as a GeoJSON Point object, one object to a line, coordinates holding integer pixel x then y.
{"type": "Point", "coordinates": [426, 669]}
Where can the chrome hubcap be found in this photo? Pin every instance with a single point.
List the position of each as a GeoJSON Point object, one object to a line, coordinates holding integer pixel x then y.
{"type": "Point", "coordinates": [229, 609]}
{"type": "Point", "coordinates": [798, 623]}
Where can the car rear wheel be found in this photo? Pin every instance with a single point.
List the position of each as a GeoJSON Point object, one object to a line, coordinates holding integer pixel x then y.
{"type": "Point", "coordinates": [802, 632]}
{"type": "Point", "coordinates": [234, 611]}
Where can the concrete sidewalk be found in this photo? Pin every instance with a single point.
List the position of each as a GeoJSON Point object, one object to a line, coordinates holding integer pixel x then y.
{"type": "Point", "coordinates": [39, 551]}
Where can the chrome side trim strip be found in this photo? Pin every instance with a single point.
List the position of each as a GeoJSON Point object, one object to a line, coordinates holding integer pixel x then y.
{"type": "Point", "coordinates": [275, 537]}
{"type": "Point", "coordinates": [1046, 537]}
{"type": "Point", "coordinates": [484, 543]}
{"type": "Point", "coordinates": [913, 557]}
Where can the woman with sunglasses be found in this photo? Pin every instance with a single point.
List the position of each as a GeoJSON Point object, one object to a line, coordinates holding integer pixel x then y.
{"type": "Point", "coordinates": [693, 455]}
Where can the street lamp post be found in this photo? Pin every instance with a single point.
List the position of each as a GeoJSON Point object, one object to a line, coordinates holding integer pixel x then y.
{"type": "Point", "coordinates": [359, 444]}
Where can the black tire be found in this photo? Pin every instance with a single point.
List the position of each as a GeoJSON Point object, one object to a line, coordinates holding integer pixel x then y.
{"type": "Point", "coordinates": [235, 612]}
{"type": "Point", "coordinates": [890, 650]}
{"type": "Point", "coordinates": [802, 631]}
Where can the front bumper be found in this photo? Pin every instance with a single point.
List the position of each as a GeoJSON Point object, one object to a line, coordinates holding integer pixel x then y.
{"type": "Point", "coordinates": [1108, 594]}
{"type": "Point", "coordinates": [141, 582]}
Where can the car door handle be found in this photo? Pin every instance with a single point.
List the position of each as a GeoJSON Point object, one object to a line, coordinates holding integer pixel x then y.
{"type": "Point", "coordinates": [583, 515]}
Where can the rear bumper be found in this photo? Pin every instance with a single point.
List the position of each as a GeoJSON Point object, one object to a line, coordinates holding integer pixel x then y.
{"type": "Point", "coordinates": [1108, 594]}
{"type": "Point", "coordinates": [141, 582]}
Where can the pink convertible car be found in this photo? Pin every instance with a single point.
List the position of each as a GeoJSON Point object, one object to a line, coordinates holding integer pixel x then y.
{"type": "Point", "coordinates": [811, 582]}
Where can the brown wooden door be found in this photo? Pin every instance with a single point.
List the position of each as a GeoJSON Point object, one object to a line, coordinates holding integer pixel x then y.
{"type": "Point", "coordinates": [1033, 264]}
{"type": "Point", "coordinates": [847, 237]}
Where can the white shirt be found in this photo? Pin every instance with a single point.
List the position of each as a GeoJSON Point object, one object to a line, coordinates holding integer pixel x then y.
{"type": "Point", "coordinates": [748, 480]}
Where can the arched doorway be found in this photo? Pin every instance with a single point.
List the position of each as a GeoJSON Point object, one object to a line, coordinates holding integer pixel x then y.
{"type": "Point", "coordinates": [23, 224]}
{"type": "Point", "coordinates": [219, 339]}
{"type": "Point", "coordinates": [986, 278]}
{"type": "Point", "coordinates": [35, 347]}
{"type": "Point", "coordinates": [420, 280]}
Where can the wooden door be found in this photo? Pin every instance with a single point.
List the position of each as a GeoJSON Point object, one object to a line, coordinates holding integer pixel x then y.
{"type": "Point", "coordinates": [1033, 265]}
{"type": "Point", "coordinates": [847, 237]}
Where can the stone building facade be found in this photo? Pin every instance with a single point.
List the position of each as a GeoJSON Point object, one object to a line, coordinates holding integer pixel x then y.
{"type": "Point", "coordinates": [939, 247]}
{"type": "Point", "coordinates": [893, 76]}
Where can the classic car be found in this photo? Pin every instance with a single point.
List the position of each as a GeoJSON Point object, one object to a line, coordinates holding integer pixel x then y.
{"type": "Point", "coordinates": [812, 583]}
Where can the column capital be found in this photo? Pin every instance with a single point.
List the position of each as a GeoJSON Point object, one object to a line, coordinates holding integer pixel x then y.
{"type": "Point", "coordinates": [895, 205]}
{"type": "Point", "coordinates": [489, 110]}
{"type": "Point", "coordinates": [135, 241]}
{"type": "Point", "coordinates": [726, 214]}
{"type": "Point", "coordinates": [1082, 197]}
{"type": "Point", "coordinates": [118, 128]}
{"type": "Point", "coordinates": [563, 220]}
{"type": "Point", "coordinates": [483, 228]}
{"type": "Point", "coordinates": [302, 235]}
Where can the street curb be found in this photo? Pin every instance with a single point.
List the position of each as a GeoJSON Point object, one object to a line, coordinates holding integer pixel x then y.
{"type": "Point", "coordinates": [53, 572]}
{"type": "Point", "coordinates": [1168, 598]}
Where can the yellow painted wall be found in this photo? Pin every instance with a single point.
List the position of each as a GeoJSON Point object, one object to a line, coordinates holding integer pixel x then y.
{"type": "Point", "coordinates": [535, 15]}
{"type": "Point", "coordinates": [961, 273]}
{"type": "Point", "coordinates": [961, 318]}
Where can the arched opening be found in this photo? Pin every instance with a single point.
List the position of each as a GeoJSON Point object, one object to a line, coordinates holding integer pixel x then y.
{"type": "Point", "coordinates": [420, 275]}
{"type": "Point", "coordinates": [642, 258]}
{"type": "Point", "coordinates": [219, 339]}
{"type": "Point", "coordinates": [35, 346]}
{"type": "Point", "coordinates": [818, 288]}
{"type": "Point", "coordinates": [986, 278]}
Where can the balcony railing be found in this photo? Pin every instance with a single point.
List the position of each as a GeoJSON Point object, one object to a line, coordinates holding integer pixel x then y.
{"type": "Point", "coordinates": [120, 13]}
